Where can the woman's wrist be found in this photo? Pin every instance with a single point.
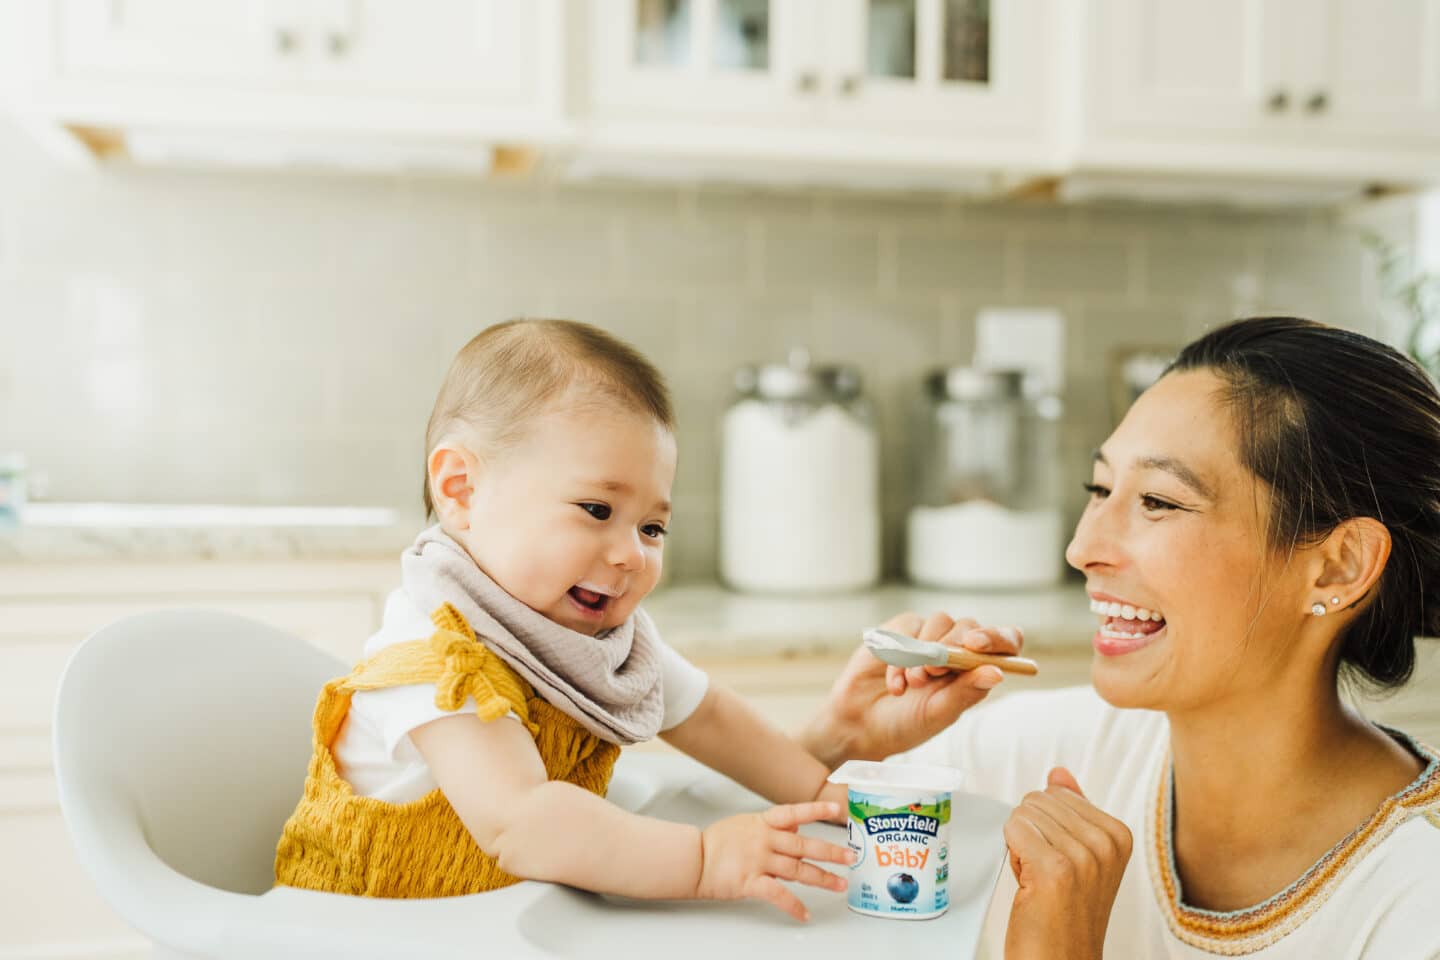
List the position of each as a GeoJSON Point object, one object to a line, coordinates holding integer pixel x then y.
{"type": "Point", "coordinates": [812, 740]}
{"type": "Point", "coordinates": [825, 740]}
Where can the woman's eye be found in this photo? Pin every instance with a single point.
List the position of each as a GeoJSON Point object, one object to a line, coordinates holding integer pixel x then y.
{"type": "Point", "coordinates": [597, 510]}
{"type": "Point", "coordinates": [654, 531]}
{"type": "Point", "coordinates": [1152, 503]}
{"type": "Point", "coordinates": [1096, 491]}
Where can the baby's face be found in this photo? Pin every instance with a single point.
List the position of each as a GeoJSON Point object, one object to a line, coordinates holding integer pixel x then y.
{"type": "Point", "coordinates": [571, 521]}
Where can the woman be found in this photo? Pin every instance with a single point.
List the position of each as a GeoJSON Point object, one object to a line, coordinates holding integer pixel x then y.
{"type": "Point", "coordinates": [1263, 528]}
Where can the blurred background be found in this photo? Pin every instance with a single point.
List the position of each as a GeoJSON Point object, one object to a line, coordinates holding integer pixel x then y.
{"type": "Point", "coordinates": [903, 262]}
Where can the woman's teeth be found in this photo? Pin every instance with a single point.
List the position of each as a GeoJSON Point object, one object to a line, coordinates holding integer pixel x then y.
{"type": "Point", "coordinates": [1123, 612]}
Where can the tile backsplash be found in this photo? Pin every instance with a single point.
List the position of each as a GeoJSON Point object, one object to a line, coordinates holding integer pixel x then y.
{"type": "Point", "coordinates": [203, 337]}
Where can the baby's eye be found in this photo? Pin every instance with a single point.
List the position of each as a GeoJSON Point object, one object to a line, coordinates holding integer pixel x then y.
{"type": "Point", "coordinates": [654, 531]}
{"type": "Point", "coordinates": [597, 510]}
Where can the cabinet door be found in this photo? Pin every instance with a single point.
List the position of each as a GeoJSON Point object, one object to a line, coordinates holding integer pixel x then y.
{"type": "Point", "coordinates": [465, 50]}
{"type": "Point", "coordinates": [200, 41]}
{"type": "Point", "coordinates": [748, 61]}
{"type": "Point", "coordinates": [951, 69]}
{"type": "Point", "coordinates": [1382, 71]}
{"type": "Point", "coordinates": [1223, 66]}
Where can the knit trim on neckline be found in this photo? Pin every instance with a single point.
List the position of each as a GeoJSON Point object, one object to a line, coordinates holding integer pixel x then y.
{"type": "Point", "coordinates": [1244, 931]}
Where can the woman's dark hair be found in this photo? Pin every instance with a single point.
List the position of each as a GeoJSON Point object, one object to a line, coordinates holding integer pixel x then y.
{"type": "Point", "coordinates": [1340, 425]}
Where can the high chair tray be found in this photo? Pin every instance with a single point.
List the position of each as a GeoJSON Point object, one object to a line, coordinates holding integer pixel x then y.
{"type": "Point", "coordinates": [534, 919]}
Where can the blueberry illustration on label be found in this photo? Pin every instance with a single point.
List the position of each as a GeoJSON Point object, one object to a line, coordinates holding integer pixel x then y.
{"type": "Point", "coordinates": [903, 887]}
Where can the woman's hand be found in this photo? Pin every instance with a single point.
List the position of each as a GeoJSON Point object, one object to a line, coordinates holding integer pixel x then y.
{"type": "Point", "coordinates": [748, 855]}
{"type": "Point", "coordinates": [1068, 857]}
{"type": "Point", "coordinates": [874, 711]}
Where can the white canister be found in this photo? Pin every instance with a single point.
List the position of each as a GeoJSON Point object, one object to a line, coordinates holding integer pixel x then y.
{"type": "Point", "coordinates": [799, 502]}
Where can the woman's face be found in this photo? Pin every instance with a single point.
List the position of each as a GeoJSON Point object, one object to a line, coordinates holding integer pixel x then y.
{"type": "Point", "coordinates": [1175, 526]}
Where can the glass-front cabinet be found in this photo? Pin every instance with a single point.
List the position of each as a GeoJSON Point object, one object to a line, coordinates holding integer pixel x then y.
{"type": "Point", "coordinates": [945, 68]}
{"type": "Point", "coordinates": [921, 69]}
{"type": "Point", "coordinates": [704, 58]}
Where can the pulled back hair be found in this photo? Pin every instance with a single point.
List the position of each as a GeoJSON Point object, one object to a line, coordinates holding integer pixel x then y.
{"type": "Point", "coordinates": [511, 372]}
{"type": "Point", "coordinates": [1339, 425]}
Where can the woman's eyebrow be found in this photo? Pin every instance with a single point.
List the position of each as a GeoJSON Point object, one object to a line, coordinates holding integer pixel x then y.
{"type": "Point", "coordinates": [1172, 466]}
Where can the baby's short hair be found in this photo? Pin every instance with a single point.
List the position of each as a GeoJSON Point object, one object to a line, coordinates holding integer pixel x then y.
{"type": "Point", "coordinates": [511, 372]}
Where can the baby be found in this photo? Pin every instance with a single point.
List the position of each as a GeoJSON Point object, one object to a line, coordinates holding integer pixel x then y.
{"type": "Point", "coordinates": [474, 744]}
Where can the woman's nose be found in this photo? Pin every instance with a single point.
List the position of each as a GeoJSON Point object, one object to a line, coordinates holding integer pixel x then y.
{"type": "Point", "coordinates": [1095, 539]}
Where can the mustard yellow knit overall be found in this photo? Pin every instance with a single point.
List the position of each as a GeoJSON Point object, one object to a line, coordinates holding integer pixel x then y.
{"type": "Point", "coordinates": [339, 842]}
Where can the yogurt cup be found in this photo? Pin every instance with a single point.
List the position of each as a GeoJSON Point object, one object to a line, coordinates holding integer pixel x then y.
{"type": "Point", "coordinates": [899, 828]}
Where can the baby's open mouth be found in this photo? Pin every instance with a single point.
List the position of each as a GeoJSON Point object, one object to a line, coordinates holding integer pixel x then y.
{"type": "Point", "coordinates": [589, 599]}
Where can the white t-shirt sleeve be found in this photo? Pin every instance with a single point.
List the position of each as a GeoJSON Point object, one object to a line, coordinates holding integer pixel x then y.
{"type": "Point", "coordinates": [684, 686]}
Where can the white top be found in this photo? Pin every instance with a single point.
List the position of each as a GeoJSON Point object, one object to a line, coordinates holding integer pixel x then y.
{"type": "Point", "coordinates": [1375, 895]}
{"type": "Point", "coordinates": [373, 750]}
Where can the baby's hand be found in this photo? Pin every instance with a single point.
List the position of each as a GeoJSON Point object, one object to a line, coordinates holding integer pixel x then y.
{"type": "Point", "coordinates": [748, 856]}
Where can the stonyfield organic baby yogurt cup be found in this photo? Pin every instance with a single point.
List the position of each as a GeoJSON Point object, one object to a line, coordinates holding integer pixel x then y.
{"type": "Point", "coordinates": [900, 831]}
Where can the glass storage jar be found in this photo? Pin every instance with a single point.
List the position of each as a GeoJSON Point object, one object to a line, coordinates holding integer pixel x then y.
{"type": "Point", "coordinates": [986, 511]}
{"type": "Point", "coordinates": [799, 502]}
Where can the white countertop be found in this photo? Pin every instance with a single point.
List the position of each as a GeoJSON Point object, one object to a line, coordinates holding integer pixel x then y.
{"type": "Point", "coordinates": [706, 620]}
{"type": "Point", "coordinates": [70, 532]}
{"type": "Point", "coordinates": [115, 550]}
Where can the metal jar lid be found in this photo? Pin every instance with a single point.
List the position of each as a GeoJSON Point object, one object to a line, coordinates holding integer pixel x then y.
{"type": "Point", "coordinates": [973, 383]}
{"type": "Point", "coordinates": [798, 380]}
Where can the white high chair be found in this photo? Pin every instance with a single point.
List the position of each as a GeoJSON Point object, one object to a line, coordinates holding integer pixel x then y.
{"type": "Point", "coordinates": [181, 743]}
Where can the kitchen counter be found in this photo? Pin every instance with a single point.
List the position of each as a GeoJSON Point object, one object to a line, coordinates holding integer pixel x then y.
{"type": "Point", "coordinates": [344, 599]}
{"type": "Point", "coordinates": [708, 621]}
{"type": "Point", "coordinates": [78, 532]}
{"type": "Point", "coordinates": [200, 553]}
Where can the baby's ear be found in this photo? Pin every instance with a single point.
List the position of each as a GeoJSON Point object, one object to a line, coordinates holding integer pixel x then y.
{"type": "Point", "coordinates": [451, 483]}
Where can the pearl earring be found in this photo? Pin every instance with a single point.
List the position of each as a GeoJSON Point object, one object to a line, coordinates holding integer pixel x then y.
{"type": "Point", "coordinates": [1318, 609]}
{"type": "Point", "coordinates": [1335, 601]}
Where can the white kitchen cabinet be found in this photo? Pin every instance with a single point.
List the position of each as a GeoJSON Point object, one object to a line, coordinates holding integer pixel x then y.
{"type": "Point", "coordinates": [1297, 88]}
{"type": "Point", "coordinates": [748, 61]}
{"type": "Point", "coordinates": [198, 41]}
{"type": "Point", "coordinates": [1381, 71]}
{"type": "Point", "coordinates": [449, 70]}
{"type": "Point", "coordinates": [467, 50]}
{"type": "Point", "coordinates": [897, 83]}
{"type": "Point", "coordinates": [958, 70]}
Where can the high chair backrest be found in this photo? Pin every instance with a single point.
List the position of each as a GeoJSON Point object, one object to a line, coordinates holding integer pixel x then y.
{"type": "Point", "coordinates": [187, 732]}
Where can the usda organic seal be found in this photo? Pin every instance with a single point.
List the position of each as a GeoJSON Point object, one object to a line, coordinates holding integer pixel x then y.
{"type": "Point", "coordinates": [899, 827]}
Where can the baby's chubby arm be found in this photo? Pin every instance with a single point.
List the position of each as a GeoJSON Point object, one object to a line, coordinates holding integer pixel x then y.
{"type": "Point", "coordinates": [545, 829]}
{"type": "Point", "coordinates": [727, 734]}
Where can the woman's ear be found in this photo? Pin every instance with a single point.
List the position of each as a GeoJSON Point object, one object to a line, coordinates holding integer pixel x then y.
{"type": "Point", "coordinates": [452, 474]}
{"type": "Point", "coordinates": [1354, 556]}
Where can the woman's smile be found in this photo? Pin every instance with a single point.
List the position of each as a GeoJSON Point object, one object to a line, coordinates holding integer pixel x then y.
{"type": "Point", "coordinates": [1124, 627]}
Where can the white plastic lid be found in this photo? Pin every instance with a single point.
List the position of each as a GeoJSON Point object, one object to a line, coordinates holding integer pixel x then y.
{"type": "Point", "coordinates": [889, 777]}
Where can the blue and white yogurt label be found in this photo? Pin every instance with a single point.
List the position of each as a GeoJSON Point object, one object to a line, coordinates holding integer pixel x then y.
{"type": "Point", "coordinates": [902, 865]}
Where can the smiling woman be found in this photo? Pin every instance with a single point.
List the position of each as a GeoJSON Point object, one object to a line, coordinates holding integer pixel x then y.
{"type": "Point", "coordinates": [1261, 531]}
